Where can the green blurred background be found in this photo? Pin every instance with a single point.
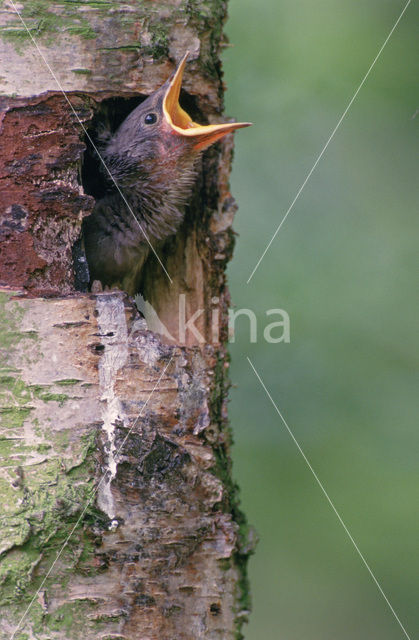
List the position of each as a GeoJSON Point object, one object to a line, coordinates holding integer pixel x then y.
{"type": "Point", "coordinates": [343, 267]}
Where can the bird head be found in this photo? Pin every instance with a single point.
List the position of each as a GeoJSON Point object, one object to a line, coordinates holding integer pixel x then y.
{"type": "Point", "coordinates": [152, 156]}
{"type": "Point", "coordinates": [161, 132]}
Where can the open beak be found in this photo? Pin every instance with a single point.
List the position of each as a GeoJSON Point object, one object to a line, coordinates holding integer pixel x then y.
{"type": "Point", "coordinates": [181, 122]}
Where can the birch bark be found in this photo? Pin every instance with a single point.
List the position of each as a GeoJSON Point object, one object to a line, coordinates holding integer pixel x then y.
{"type": "Point", "coordinates": [115, 467]}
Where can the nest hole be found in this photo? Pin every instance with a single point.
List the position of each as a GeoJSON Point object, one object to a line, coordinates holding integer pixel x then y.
{"type": "Point", "coordinates": [179, 254]}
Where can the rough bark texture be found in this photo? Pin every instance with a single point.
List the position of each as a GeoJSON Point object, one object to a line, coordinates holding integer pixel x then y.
{"type": "Point", "coordinates": [156, 553]}
{"type": "Point", "coordinates": [105, 428]}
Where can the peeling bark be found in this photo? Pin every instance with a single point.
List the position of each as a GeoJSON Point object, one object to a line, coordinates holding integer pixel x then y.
{"type": "Point", "coordinates": [156, 551]}
{"type": "Point", "coordinates": [105, 428]}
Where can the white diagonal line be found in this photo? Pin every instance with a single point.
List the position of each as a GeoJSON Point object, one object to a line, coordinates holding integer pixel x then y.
{"type": "Point", "coordinates": [89, 502]}
{"type": "Point", "coordinates": [89, 138]}
{"type": "Point", "coordinates": [328, 498]}
{"type": "Point", "coordinates": [327, 144]}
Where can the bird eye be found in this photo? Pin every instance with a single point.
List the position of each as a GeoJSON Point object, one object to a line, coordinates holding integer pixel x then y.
{"type": "Point", "coordinates": [150, 118]}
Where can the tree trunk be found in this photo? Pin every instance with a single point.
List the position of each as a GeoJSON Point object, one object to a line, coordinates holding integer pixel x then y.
{"type": "Point", "coordinates": [119, 517]}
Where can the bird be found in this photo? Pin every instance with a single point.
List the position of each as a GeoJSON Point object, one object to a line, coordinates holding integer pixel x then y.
{"type": "Point", "coordinates": [152, 164]}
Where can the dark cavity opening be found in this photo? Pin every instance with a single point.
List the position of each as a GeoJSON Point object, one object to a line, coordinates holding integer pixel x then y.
{"type": "Point", "coordinates": [109, 115]}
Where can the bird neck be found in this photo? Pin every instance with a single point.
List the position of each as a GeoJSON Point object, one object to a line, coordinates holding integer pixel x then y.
{"type": "Point", "coordinates": [155, 191]}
